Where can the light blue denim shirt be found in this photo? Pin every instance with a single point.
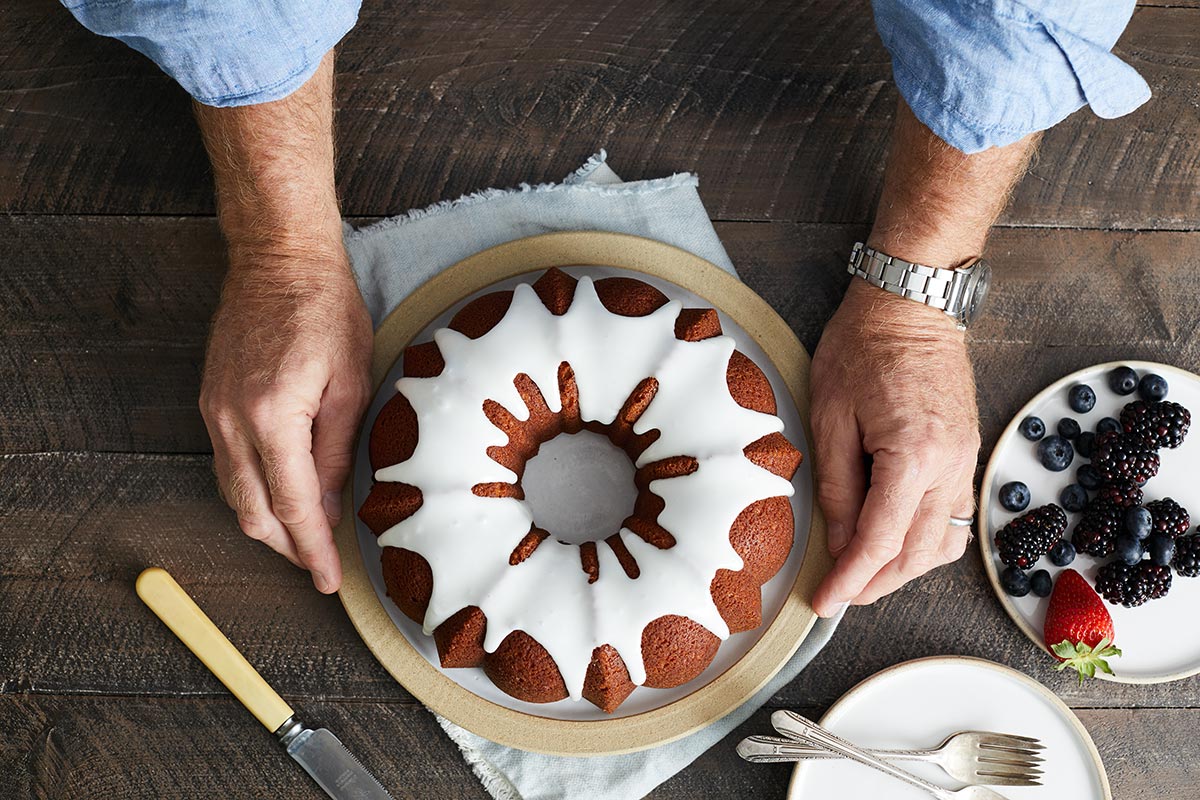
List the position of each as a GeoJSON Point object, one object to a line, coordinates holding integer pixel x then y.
{"type": "Point", "coordinates": [985, 73]}
{"type": "Point", "coordinates": [979, 73]}
{"type": "Point", "coordinates": [225, 52]}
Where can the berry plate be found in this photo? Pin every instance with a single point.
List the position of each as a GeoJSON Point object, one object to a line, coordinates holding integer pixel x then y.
{"type": "Point", "coordinates": [918, 703]}
{"type": "Point", "coordinates": [1140, 631]}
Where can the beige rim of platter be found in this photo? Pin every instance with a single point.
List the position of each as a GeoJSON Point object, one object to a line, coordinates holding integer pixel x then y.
{"type": "Point", "coordinates": [985, 492]}
{"type": "Point", "coordinates": [793, 785]}
{"type": "Point", "coordinates": [626, 734]}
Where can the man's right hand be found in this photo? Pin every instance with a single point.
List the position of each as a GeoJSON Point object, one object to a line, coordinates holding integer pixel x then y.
{"type": "Point", "coordinates": [286, 379]}
{"type": "Point", "coordinates": [287, 373]}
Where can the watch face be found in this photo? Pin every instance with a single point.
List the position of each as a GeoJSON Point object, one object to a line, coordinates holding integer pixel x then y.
{"type": "Point", "coordinates": [976, 291]}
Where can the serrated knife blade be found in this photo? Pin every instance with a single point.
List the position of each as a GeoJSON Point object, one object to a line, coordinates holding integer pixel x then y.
{"type": "Point", "coordinates": [331, 765]}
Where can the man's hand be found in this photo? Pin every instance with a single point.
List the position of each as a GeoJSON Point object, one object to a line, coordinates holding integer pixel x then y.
{"type": "Point", "coordinates": [891, 379]}
{"type": "Point", "coordinates": [285, 382]}
{"type": "Point", "coordinates": [286, 374]}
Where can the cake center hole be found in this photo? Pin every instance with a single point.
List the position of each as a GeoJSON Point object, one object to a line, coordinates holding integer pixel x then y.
{"type": "Point", "coordinates": [580, 487]}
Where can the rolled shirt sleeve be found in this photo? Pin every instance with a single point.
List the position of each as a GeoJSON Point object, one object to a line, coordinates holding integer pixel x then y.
{"type": "Point", "coordinates": [225, 52]}
{"type": "Point", "coordinates": [985, 73]}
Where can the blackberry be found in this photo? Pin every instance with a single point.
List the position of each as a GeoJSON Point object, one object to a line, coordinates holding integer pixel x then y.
{"type": "Point", "coordinates": [1123, 380]}
{"type": "Point", "coordinates": [1055, 453]}
{"type": "Point", "coordinates": [1032, 428]}
{"type": "Point", "coordinates": [1123, 457]}
{"type": "Point", "coordinates": [1073, 498]}
{"type": "Point", "coordinates": [1089, 478]}
{"type": "Point", "coordinates": [1062, 553]}
{"type": "Point", "coordinates": [1081, 398]}
{"type": "Point", "coordinates": [1121, 584]}
{"type": "Point", "coordinates": [1122, 494]}
{"type": "Point", "coordinates": [1187, 555]}
{"type": "Point", "coordinates": [1155, 578]}
{"type": "Point", "coordinates": [1097, 530]}
{"type": "Point", "coordinates": [1068, 428]}
{"type": "Point", "coordinates": [1161, 548]}
{"type": "Point", "coordinates": [1015, 496]}
{"type": "Point", "coordinates": [1085, 444]}
{"type": "Point", "coordinates": [1025, 539]}
{"type": "Point", "coordinates": [1158, 424]}
{"type": "Point", "coordinates": [1107, 425]}
{"type": "Point", "coordinates": [1169, 517]}
{"type": "Point", "coordinates": [1152, 387]}
{"type": "Point", "coordinates": [1015, 582]}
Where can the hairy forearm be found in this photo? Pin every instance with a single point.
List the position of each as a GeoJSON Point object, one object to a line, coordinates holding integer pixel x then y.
{"type": "Point", "coordinates": [273, 170]}
{"type": "Point", "coordinates": [937, 203]}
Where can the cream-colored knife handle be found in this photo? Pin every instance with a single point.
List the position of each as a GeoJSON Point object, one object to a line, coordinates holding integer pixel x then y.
{"type": "Point", "coordinates": [173, 606]}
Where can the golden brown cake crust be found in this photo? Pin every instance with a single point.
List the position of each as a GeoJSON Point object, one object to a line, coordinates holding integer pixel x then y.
{"type": "Point", "coordinates": [675, 649]}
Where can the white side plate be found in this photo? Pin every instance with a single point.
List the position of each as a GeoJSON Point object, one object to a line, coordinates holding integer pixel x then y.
{"type": "Point", "coordinates": [918, 703]}
{"type": "Point", "coordinates": [1158, 640]}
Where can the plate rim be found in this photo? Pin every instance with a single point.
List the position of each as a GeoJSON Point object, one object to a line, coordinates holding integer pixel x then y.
{"type": "Point", "coordinates": [729, 690]}
{"type": "Point", "coordinates": [919, 663]}
{"type": "Point", "coordinates": [985, 487]}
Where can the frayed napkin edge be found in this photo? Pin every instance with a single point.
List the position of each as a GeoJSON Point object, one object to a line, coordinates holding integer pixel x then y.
{"type": "Point", "coordinates": [494, 781]}
{"type": "Point", "coordinates": [576, 181]}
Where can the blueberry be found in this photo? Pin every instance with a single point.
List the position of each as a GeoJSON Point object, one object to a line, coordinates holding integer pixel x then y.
{"type": "Point", "coordinates": [1129, 549]}
{"type": "Point", "coordinates": [1068, 428]}
{"type": "Point", "coordinates": [1152, 387]}
{"type": "Point", "coordinates": [1085, 444]}
{"type": "Point", "coordinates": [1107, 425]}
{"type": "Point", "coordinates": [1055, 453]}
{"type": "Point", "coordinates": [1123, 380]}
{"type": "Point", "coordinates": [1081, 398]}
{"type": "Point", "coordinates": [1015, 582]}
{"type": "Point", "coordinates": [1014, 496]}
{"type": "Point", "coordinates": [1137, 522]}
{"type": "Point", "coordinates": [1073, 498]}
{"type": "Point", "coordinates": [1032, 428]}
{"type": "Point", "coordinates": [1041, 583]}
{"type": "Point", "coordinates": [1161, 548]}
{"type": "Point", "coordinates": [1062, 553]}
{"type": "Point", "coordinates": [1088, 477]}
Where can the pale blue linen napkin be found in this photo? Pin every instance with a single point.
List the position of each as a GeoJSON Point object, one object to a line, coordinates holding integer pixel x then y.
{"type": "Point", "coordinates": [393, 257]}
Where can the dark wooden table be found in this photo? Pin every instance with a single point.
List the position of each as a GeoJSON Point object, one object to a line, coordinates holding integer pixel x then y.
{"type": "Point", "coordinates": [112, 263]}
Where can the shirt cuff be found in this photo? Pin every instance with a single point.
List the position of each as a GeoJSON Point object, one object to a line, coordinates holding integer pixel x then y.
{"type": "Point", "coordinates": [224, 52]}
{"type": "Point", "coordinates": [986, 74]}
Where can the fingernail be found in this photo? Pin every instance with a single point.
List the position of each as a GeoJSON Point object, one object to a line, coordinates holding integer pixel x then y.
{"type": "Point", "coordinates": [831, 610]}
{"type": "Point", "coordinates": [838, 537]}
{"type": "Point", "coordinates": [321, 582]}
{"type": "Point", "coordinates": [332, 501]}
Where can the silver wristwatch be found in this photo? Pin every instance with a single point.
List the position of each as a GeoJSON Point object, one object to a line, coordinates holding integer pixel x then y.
{"type": "Point", "coordinates": [957, 292]}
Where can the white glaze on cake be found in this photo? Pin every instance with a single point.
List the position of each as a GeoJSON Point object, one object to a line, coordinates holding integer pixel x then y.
{"type": "Point", "coordinates": [467, 539]}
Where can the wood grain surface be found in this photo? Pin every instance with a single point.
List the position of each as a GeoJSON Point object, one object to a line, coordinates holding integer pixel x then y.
{"type": "Point", "coordinates": [210, 748]}
{"type": "Point", "coordinates": [112, 266]}
{"type": "Point", "coordinates": [783, 108]}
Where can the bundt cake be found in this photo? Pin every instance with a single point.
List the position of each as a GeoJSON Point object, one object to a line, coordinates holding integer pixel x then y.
{"type": "Point", "coordinates": [649, 604]}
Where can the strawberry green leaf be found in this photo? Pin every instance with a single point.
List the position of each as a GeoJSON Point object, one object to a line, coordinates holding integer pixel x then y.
{"type": "Point", "coordinates": [1083, 658]}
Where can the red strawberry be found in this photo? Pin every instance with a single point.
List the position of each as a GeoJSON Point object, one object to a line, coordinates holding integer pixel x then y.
{"type": "Point", "coordinates": [1079, 629]}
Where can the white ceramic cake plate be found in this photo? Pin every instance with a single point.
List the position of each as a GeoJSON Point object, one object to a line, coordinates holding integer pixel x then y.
{"type": "Point", "coordinates": [918, 703]}
{"type": "Point", "coordinates": [649, 716]}
{"type": "Point", "coordinates": [1158, 640]}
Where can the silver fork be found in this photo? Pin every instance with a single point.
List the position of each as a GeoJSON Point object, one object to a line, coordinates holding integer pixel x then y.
{"type": "Point", "coordinates": [996, 759]}
{"type": "Point", "coordinates": [797, 726]}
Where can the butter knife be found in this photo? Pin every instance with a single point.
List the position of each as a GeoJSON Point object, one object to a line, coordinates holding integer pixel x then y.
{"type": "Point", "coordinates": [323, 757]}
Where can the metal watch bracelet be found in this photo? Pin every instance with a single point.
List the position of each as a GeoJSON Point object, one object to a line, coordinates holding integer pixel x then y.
{"type": "Point", "coordinates": [933, 286]}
